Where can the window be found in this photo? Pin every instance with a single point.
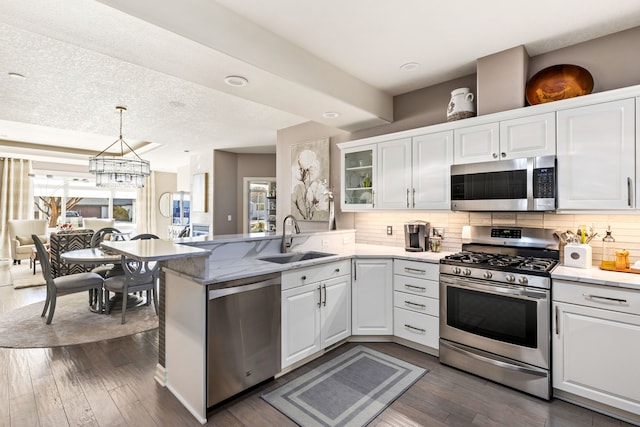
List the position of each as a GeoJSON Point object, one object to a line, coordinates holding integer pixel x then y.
{"type": "Point", "coordinates": [68, 200]}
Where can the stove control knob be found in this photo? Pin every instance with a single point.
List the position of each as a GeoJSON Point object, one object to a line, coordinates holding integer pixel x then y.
{"type": "Point", "coordinates": [467, 272]}
{"type": "Point", "coordinates": [523, 280]}
{"type": "Point", "coordinates": [510, 278]}
{"type": "Point", "coordinates": [487, 275]}
{"type": "Point", "coordinates": [456, 270]}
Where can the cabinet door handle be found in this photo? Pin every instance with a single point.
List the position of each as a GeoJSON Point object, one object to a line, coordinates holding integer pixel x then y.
{"type": "Point", "coordinates": [495, 155]}
{"type": "Point", "coordinates": [557, 321]}
{"type": "Point", "coordinates": [414, 328]}
{"type": "Point", "coordinates": [629, 190]}
{"type": "Point", "coordinates": [420, 288]}
{"type": "Point", "coordinates": [324, 301]}
{"type": "Point", "coordinates": [414, 304]}
{"type": "Point", "coordinates": [407, 197]}
{"type": "Point", "coordinates": [618, 300]}
{"type": "Point", "coordinates": [414, 197]}
{"type": "Point", "coordinates": [503, 154]}
{"type": "Point", "coordinates": [414, 270]}
{"type": "Point", "coordinates": [373, 199]}
{"type": "Point", "coordinates": [319, 296]}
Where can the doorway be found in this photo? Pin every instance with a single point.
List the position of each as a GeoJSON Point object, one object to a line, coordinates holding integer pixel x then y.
{"type": "Point", "coordinates": [259, 211]}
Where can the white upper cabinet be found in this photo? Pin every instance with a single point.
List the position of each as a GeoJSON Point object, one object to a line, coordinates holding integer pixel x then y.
{"type": "Point", "coordinates": [394, 171]}
{"type": "Point", "coordinates": [529, 136]}
{"type": "Point", "coordinates": [432, 158]}
{"type": "Point", "coordinates": [597, 156]}
{"type": "Point", "coordinates": [359, 177]}
{"type": "Point", "coordinates": [479, 143]}
{"type": "Point", "coordinates": [415, 172]}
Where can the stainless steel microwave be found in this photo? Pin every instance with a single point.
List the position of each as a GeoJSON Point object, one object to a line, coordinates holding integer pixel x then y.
{"type": "Point", "coordinates": [526, 184]}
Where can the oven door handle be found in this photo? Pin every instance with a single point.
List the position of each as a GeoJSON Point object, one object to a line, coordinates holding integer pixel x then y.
{"type": "Point", "coordinates": [521, 292]}
{"type": "Point", "coordinates": [511, 366]}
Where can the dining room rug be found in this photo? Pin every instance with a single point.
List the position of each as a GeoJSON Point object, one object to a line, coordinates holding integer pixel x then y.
{"type": "Point", "coordinates": [73, 323]}
{"type": "Point", "coordinates": [349, 390]}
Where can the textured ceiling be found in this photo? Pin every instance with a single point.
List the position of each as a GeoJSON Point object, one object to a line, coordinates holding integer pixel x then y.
{"type": "Point", "coordinates": [82, 58]}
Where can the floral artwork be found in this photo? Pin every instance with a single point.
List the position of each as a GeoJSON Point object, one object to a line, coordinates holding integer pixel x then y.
{"type": "Point", "coordinates": [309, 180]}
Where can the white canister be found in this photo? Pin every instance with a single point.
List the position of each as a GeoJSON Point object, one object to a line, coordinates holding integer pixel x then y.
{"type": "Point", "coordinates": [576, 255]}
{"type": "Point", "coordinates": [461, 105]}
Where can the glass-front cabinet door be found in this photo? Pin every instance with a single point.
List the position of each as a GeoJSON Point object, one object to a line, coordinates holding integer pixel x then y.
{"type": "Point", "coordinates": [358, 178]}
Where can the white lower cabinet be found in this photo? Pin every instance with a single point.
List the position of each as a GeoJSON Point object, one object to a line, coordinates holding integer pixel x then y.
{"type": "Point", "coordinates": [372, 297]}
{"type": "Point", "coordinates": [315, 315]}
{"type": "Point", "coordinates": [596, 344]}
{"type": "Point", "coordinates": [416, 302]}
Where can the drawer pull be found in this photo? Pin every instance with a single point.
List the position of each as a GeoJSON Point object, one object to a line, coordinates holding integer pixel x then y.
{"type": "Point", "coordinates": [409, 303]}
{"type": "Point", "coordinates": [414, 270]}
{"type": "Point", "coordinates": [414, 328]}
{"type": "Point", "coordinates": [337, 270]}
{"type": "Point", "coordinates": [618, 300]}
{"type": "Point", "coordinates": [303, 278]}
{"type": "Point", "coordinates": [419, 288]}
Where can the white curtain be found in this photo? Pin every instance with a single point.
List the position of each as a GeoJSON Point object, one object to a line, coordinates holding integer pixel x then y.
{"type": "Point", "coordinates": [16, 196]}
{"type": "Point", "coordinates": [146, 212]}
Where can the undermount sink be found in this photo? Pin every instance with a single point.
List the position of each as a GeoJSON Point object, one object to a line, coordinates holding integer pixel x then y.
{"type": "Point", "coordinates": [295, 257]}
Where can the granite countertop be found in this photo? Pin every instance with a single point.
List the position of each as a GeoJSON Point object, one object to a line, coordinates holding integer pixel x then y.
{"type": "Point", "coordinates": [153, 249]}
{"type": "Point", "coordinates": [241, 267]}
{"type": "Point", "coordinates": [595, 276]}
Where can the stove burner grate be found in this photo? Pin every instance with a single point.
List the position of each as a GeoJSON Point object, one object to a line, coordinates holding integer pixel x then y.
{"type": "Point", "coordinates": [507, 262]}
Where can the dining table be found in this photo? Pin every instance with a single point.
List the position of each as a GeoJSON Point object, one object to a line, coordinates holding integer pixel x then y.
{"type": "Point", "coordinates": [90, 256]}
{"type": "Point", "coordinates": [98, 256]}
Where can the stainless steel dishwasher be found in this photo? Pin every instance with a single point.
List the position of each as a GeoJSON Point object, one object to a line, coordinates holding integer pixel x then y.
{"type": "Point", "coordinates": [243, 335]}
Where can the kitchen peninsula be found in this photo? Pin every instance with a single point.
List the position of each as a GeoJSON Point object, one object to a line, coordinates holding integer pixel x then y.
{"type": "Point", "coordinates": [200, 264]}
{"type": "Point", "coordinates": [193, 266]}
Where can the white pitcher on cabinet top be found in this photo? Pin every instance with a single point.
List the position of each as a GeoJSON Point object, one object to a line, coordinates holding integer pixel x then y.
{"type": "Point", "coordinates": [461, 105]}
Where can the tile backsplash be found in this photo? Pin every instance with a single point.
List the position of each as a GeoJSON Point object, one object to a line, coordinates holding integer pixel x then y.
{"type": "Point", "coordinates": [371, 228]}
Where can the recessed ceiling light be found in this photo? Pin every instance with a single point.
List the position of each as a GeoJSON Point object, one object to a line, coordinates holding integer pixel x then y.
{"type": "Point", "coordinates": [236, 81]}
{"type": "Point", "coordinates": [16, 75]}
{"type": "Point", "coordinates": [410, 66]}
{"type": "Point", "coordinates": [330, 115]}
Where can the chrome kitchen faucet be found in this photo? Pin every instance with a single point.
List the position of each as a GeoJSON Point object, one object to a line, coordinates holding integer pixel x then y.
{"type": "Point", "coordinates": [286, 243]}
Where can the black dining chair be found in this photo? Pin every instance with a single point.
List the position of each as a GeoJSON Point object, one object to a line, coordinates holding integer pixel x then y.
{"type": "Point", "coordinates": [63, 285]}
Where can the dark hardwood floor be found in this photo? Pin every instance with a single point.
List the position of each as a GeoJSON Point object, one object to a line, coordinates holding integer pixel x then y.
{"type": "Point", "coordinates": [110, 383]}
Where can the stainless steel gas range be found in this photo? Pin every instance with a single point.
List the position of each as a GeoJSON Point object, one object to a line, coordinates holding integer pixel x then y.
{"type": "Point", "coordinates": [495, 299]}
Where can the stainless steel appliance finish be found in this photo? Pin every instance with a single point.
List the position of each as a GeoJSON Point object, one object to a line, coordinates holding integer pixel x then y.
{"type": "Point", "coordinates": [526, 184]}
{"type": "Point", "coordinates": [495, 304]}
{"type": "Point", "coordinates": [416, 236]}
{"type": "Point", "coordinates": [243, 335]}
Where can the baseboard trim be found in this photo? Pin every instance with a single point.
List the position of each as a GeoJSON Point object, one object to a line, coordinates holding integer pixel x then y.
{"type": "Point", "coordinates": [161, 375]}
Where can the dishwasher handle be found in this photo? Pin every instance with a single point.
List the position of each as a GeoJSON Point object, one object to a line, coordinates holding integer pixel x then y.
{"type": "Point", "coordinates": [220, 290]}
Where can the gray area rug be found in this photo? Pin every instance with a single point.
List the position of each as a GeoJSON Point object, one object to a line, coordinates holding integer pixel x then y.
{"type": "Point", "coordinates": [349, 390]}
{"type": "Point", "coordinates": [73, 323]}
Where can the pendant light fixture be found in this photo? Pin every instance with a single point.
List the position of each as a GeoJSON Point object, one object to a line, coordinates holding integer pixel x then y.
{"type": "Point", "coordinates": [119, 171]}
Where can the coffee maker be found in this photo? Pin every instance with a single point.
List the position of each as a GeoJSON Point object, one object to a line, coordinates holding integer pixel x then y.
{"type": "Point", "coordinates": [416, 236]}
